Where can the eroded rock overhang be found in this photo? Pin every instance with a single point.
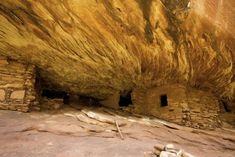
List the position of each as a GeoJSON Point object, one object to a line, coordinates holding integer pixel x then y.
{"type": "Point", "coordinates": [97, 48]}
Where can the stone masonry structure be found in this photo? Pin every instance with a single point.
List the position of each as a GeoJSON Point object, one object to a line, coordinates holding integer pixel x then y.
{"type": "Point", "coordinates": [17, 85]}
{"type": "Point", "coordinates": [175, 103]}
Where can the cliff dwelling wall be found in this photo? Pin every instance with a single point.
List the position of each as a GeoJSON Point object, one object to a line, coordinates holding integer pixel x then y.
{"type": "Point", "coordinates": [112, 101]}
{"type": "Point", "coordinates": [177, 104]}
{"type": "Point", "coordinates": [174, 103]}
{"type": "Point", "coordinates": [17, 85]}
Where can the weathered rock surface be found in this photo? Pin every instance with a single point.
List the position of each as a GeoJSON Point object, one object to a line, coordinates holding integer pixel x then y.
{"type": "Point", "coordinates": [73, 133]}
{"type": "Point", "coordinates": [99, 47]}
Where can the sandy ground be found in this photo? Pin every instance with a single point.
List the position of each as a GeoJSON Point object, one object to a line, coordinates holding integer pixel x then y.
{"type": "Point", "coordinates": [92, 132]}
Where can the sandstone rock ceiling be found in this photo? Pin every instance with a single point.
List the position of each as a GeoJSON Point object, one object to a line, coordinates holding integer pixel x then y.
{"type": "Point", "coordinates": [97, 47]}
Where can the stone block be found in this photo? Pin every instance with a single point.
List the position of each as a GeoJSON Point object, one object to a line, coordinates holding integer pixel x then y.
{"type": "Point", "coordinates": [2, 95]}
{"type": "Point", "coordinates": [3, 62]}
{"type": "Point", "coordinates": [112, 101]}
{"type": "Point", "coordinates": [12, 85]}
{"type": "Point", "coordinates": [19, 94]}
{"type": "Point", "coordinates": [31, 97]}
{"type": "Point", "coordinates": [167, 154]}
{"type": "Point", "coordinates": [51, 104]}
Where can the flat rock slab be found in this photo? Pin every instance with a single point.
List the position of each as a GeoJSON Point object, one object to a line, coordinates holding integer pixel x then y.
{"type": "Point", "coordinates": [61, 134]}
{"type": "Point", "coordinates": [19, 94]}
{"type": "Point", "coordinates": [2, 95]}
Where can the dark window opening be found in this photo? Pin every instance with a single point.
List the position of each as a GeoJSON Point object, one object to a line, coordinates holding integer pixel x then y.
{"type": "Point", "coordinates": [163, 99]}
{"type": "Point", "coordinates": [52, 94]}
{"type": "Point", "coordinates": [226, 108]}
{"type": "Point", "coordinates": [125, 101]}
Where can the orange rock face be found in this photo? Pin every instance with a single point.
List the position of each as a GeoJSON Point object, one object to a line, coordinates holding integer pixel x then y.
{"type": "Point", "coordinates": [219, 12]}
{"type": "Point", "coordinates": [99, 47]}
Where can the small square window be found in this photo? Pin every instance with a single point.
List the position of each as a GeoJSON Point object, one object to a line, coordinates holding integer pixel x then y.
{"type": "Point", "coordinates": [125, 101]}
{"type": "Point", "coordinates": [163, 100]}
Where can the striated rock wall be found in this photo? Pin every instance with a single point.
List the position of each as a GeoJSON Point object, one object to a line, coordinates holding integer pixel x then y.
{"type": "Point", "coordinates": [99, 47]}
{"type": "Point", "coordinates": [17, 85]}
{"type": "Point", "coordinates": [218, 12]}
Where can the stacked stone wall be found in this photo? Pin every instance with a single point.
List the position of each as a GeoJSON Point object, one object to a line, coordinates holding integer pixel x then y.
{"type": "Point", "coordinates": [17, 85]}
{"type": "Point", "coordinates": [203, 110]}
{"type": "Point", "coordinates": [189, 107]}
